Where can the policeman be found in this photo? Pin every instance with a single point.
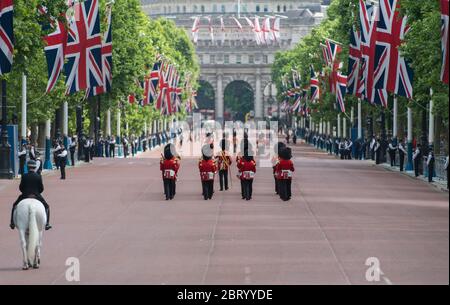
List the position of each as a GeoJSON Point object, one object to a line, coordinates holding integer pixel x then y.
{"type": "Point", "coordinates": [22, 159]}
{"type": "Point", "coordinates": [31, 186]}
{"type": "Point", "coordinates": [377, 151]}
{"type": "Point", "coordinates": [169, 167]}
{"type": "Point", "coordinates": [112, 147]}
{"type": "Point", "coordinates": [285, 170]}
{"type": "Point", "coordinates": [392, 152]}
{"type": "Point", "coordinates": [56, 152]}
{"type": "Point", "coordinates": [402, 153]}
{"type": "Point", "coordinates": [430, 163]}
{"type": "Point", "coordinates": [208, 168]}
{"type": "Point", "coordinates": [417, 157]}
{"type": "Point", "coordinates": [86, 146]}
{"type": "Point", "coordinates": [72, 149]}
{"type": "Point", "coordinates": [62, 157]}
{"type": "Point", "coordinates": [223, 160]}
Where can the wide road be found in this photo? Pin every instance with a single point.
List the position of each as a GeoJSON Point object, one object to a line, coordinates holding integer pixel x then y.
{"type": "Point", "coordinates": [112, 217]}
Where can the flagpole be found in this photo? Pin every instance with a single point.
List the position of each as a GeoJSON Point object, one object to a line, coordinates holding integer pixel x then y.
{"type": "Point", "coordinates": [23, 130]}
{"type": "Point", "coordinates": [395, 122]}
{"type": "Point", "coordinates": [409, 164]}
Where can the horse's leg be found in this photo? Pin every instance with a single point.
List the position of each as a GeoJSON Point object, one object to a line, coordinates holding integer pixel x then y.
{"type": "Point", "coordinates": [38, 252]}
{"type": "Point", "coordinates": [23, 243]}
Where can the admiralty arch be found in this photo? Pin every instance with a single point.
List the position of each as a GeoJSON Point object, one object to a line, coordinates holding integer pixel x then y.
{"type": "Point", "coordinates": [230, 55]}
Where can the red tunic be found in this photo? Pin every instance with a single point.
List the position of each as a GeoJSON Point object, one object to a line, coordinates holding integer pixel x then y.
{"type": "Point", "coordinates": [169, 168]}
{"type": "Point", "coordinates": [285, 169]}
{"type": "Point", "coordinates": [223, 161]}
{"type": "Point", "coordinates": [247, 169]}
{"type": "Point", "coordinates": [207, 169]}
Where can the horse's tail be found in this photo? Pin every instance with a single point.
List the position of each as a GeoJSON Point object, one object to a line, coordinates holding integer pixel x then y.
{"type": "Point", "coordinates": [33, 237]}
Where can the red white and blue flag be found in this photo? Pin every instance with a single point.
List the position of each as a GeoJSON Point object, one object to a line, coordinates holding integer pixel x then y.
{"type": "Point", "coordinates": [354, 62]}
{"type": "Point", "coordinates": [444, 37]}
{"type": "Point", "coordinates": [83, 67]}
{"type": "Point", "coordinates": [107, 60]}
{"type": "Point", "coordinates": [151, 85]}
{"type": "Point", "coordinates": [392, 72]}
{"type": "Point", "coordinates": [315, 86]}
{"type": "Point", "coordinates": [6, 36]}
{"type": "Point", "coordinates": [333, 50]}
{"type": "Point", "coordinates": [368, 23]}
{"type": "Point", "coordinates": [341, 86]}
{"type": "Point", "coordinates": [54, 49]}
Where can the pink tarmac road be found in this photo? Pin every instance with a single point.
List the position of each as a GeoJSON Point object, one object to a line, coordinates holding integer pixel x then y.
{"type": "Point", "coordinates": [112, 217]}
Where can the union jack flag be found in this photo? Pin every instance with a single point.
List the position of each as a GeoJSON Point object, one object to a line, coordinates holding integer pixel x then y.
{"type": "Point", "coordinates": [392, 71]}
{"type": "Point", "coordinates": [333, 50]}
{"type": "Point", "coordinates": [107, 60]}
{"type": "Point", "coordinates": [6, 36]}
{"type": "Point", "coordinates": [368, 23]}
{"type": "Point", "coordinates": [354, 62]}
{"type": "Point", "coordinates": [444, 36]}
{"type": "Point", "coordinates": [297, 104]}
{"type": "Point", "coordinates": [326, 56]}
{"type": "Point", "coordinates": [315, 86]}
{"type": "Point", "coordinates": [54, 49]}
{"type": "Point", "coordinates": [83, 67]}
{"type": "Point", "coordinates": [341, 85]}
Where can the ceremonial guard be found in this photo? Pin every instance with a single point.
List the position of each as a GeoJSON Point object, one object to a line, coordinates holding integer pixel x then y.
{"type": "Point", "coordinates": [22, 159]}
{"type": "Point", "coordinates": [169, 165]}
{"type": "Point", "coordinates": [275, 160]}
{"type": "Point", "coordinates": [417, 157]}
{"type": "Point", "coordinates": [72, 149]}
{"type": "Point", "coordinates": [62, 159]}
{"type": "Point", "coordinates": [224, 162]}
{"type": "Point", "coordinates": [247, 170]}
{"type": "Point", "coordinates": [285, 170]}
{"type": "Point", "coordinates": [208, 169]}
{"type": "Point", "coordinates": [402, 153]}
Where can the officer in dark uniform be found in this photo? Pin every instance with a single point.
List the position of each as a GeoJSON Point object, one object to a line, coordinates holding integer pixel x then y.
{"type": "Point", "coordinates": [72, 148]}
{"type": "Point", "coordinates": [417, 158]}
{"type": "Point", "coordinates": [22, 159]}
{"type": "Point", "coordinates": [402, 153]}
{"type": "Point", "coordinates": [431, 161]}
{"type": "Point", "coordinates": [62, 157]}
{"type": "Point", "coordinates": [31, 186]}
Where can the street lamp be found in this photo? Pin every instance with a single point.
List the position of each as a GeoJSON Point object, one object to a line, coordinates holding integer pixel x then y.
{"type": "Point", "coordinates": [5, 148]}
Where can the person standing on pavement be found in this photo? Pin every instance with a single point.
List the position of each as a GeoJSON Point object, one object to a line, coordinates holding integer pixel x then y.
{"type": "Point", "coordinates": [62, 157]}
{"type": "Point", "coordinates": [56, 152]}
{"type": "Point", "coordinates": [169, 167]}
{"type": "Point", "coordinates": [402, 154]}
{"type": "Point", "coordinates": [447, 170]}
{"type": "Point", "coordinates": [22, 159]}
{"type": "Point", "coordinates": [431, 161]}
{"type": "Point", "coordinates": [86, 148]}
{"type": "Point", "coordinates": [72, 149]}
{"type": "Point", "coordinates": [224, 162]}
{"type": "Point", "coordinates": [112, 147]}
{"type": "Point", "coordinates": [372, 146]}
{"type": "Point", "coordinates": [392, 152]}
{"type": "Point", "coordinates": [417, 158]}
{"type": "Point", "coordinates": [32, 153]}
{"type": "Point", "coordinates": [377, 151]}
{"type": "Point", "coordinates": [39, 163]}
{"type": "Point", "coordinates": [208, 168]}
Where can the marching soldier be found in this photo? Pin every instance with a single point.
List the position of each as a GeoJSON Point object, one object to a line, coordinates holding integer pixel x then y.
{"type": "Point", "coordinates": [208, 169]}
{"type": "Point", "coordinates": [275, 160]}
{"type": "Point", "coordinates": [62, 159]}
{"type": "Point", "coordinates": [285, 170]}
{"type": "Point", "coordinates": [224, 162]}
{"type": "Point", "coordinates": [22, 159]}
{"type": "Point", "coordinates": [169, 166]}
{"type": "Point", "coordinates": [247, 169]}
{"type": "Point", "coordinates": [402, 153]}
{"type": "Point", "coordinates": [417, 157]}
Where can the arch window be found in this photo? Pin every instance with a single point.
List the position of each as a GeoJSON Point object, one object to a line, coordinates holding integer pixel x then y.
{"type": "Point", "coordinates": [214, 8]}
{"type": "Point", "coordinates": [258, 8]}
{"type": "Point", "coordinates": [195, 9]}
{"type": "Point", "coordinates": [184, 9]}
{"type": "Point", "coordinates": [224, 9]}
{"type": "Point", "coordinates": [284, 8]}
{"type": "Point", "coordinates": [279, 8]}
{"type": "Point", "coordinates": [203, 8]}
{"type": "Point", "coordinates": [266, 8]}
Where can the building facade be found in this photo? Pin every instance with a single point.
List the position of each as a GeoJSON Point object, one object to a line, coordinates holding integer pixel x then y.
{"type": "Point", "coordinates": [228, 53]}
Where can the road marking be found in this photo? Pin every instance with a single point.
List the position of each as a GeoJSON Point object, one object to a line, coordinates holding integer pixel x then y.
{"type": "Point", "coordinates": [385, 278]}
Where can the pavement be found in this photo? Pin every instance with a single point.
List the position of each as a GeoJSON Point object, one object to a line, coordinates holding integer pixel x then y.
{"type": "Point", "coordinates": [111, 215]}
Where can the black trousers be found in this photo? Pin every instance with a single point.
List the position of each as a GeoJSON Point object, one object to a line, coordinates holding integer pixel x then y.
{"type": "Point", "coordinates": [285, 189]}
{"type": "Point", "coordinates": [62, 168]}
{"type": "Point", "coordinates": [416, 168]}
{"type": "Point", "coordinates": [37, 197]}
{"type": "Point", "coordinates": [87, 157]}
{"type": "Point", "coordinates": [72, 157]}
{"type": "Point", "coordinates": [430, 172]}
{"type": "Point", "coordinates": [22, 166]}
{"type": "Point", "coordinates": [392, 157]}
{"type": "Point", "coordinates": [402, 161]}
{"type": "Point", "coordinates": [276, 186]}
{"type": "Point", "coordinates": [378, 157]}
{"type": "Point", "coordinates": [247, 186]}
{"type": "Point", "coordinates": [208, 189]}
{"type": "Point", "coordinates": [223, 178]}
{"type": "Point", "coordinates": [112, 151]}
{"type": "Point", "coordinates": [169, 188]}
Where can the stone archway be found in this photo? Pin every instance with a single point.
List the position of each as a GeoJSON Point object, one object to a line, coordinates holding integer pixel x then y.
{"type": "Point", "coordinates": [239, 99]}
{"type": "Point", "coordinates": [206, 96]}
